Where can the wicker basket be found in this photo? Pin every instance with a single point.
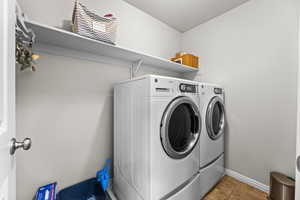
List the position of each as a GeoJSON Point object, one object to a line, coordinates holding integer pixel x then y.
{"type": "Point", "coordinates": [90, 25]}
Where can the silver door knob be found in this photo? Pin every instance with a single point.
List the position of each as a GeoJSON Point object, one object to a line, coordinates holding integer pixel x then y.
{"type": "Point", "coordinates": [15, 145]}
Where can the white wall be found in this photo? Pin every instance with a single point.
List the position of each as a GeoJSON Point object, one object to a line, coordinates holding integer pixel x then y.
{"type": "Point", "coordinates": [66, 106]}
{"type": "Point", "coordinates": [252, 51]}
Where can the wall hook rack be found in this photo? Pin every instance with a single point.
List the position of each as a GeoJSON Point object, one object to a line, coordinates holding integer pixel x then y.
{"type": "Point", "coordinates": [135, 67]}
{"type": "Point", "coordinates": [25, 38]}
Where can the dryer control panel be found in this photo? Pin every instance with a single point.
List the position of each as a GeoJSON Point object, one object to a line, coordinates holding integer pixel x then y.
{"type": "Point", "coordinates": [188, 88]}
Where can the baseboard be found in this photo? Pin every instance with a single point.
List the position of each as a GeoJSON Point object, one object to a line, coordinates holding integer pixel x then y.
{"type": "Point", "coordinates": [228, 172]}
{"type": "Point", "coordinates": [247, 180]}
{"type": "Point", "coordinates": [111, 194]}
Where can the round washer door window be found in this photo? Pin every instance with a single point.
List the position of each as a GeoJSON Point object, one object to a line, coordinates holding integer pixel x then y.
{"type": "Point", "coordinates": [180, 127]}
{"type": "Point", "coordinates": [215, 118]}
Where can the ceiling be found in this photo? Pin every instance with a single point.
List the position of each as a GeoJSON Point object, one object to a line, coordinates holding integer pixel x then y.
{"type": "Point", "coordinates": [184, 15]}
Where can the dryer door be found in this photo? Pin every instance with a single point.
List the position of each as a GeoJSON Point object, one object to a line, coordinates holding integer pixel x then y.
{"type": "Point", "coordinates": [215, 118]}
{"type": "Point", "coordinates": [180, 127]}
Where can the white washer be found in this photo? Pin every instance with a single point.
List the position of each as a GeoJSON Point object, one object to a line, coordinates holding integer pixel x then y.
{"type": "Point", "coordinates": [212, 107]}
{"type": "Point", "coordinates": [157, 127]}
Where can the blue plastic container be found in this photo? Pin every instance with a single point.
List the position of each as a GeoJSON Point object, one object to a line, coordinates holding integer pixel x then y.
{"type": "Point", "coordinates": [86, 190]}
{"type": "Point", "coordinates": [103, 176]}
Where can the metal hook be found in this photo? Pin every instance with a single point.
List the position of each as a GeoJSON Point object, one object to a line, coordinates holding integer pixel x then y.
{"type": "Point", "coordinates": [23, 33]}
{"type": "Point", "coordinates": [135, 67]}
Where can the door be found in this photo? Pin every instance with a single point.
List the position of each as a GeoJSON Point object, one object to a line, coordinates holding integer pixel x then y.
{"type": "Point", "coordinates": [215, 118]}
{"type": "Point", "coordinates": [180, 127]}
{"type": "Point", "coordinates": [7, 99]}
{"type": "Point", "coordinates": [297, 195]}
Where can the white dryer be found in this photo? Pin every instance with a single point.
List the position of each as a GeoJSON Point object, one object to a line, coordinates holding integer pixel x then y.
{"type": "Point", "coordinates": [212, 107]}
{"type": "Point", "coordinates": [157, 126]}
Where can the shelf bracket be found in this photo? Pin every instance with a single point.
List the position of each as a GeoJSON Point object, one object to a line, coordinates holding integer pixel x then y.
{"type": "Point", "coordinates": [135, 67]}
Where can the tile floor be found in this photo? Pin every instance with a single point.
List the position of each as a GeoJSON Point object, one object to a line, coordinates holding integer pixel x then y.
{"type": "Point", "coordinates": [232, 189]}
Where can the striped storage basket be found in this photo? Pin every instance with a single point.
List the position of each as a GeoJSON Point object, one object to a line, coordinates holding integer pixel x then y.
{"type": "Point", "coordinates": [90, 25]}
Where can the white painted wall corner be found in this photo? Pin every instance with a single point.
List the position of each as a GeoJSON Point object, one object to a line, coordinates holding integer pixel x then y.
{"type": "Point", "coordinates": [247, 180]}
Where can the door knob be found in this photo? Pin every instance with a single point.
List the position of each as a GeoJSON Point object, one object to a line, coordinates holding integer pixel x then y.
{"type": "Point", "coordinates": [15, 145]}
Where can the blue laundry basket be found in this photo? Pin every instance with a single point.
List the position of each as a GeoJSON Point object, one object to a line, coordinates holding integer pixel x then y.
{"type": "Point", "coordinates": [86, 190]}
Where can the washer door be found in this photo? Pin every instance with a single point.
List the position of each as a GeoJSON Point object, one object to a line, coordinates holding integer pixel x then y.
{"type": "Point", "coordinates": [180, 127]}
{"type": "Point", "coordinates": [215, 118]}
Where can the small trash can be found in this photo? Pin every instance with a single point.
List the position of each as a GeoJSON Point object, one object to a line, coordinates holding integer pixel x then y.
{"type": "Point", "coordinates": [86, 190]}
{"type": "Point", "coordinates": [281, 187]}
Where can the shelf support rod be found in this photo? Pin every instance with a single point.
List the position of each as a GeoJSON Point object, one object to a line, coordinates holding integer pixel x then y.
{"type": "Point", "coordinates": [135, 67]}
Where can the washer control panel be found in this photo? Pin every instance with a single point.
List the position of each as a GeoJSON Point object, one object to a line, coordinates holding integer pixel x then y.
{"type": "Point", "coordinates": [188, 88]}
{"type": "Point", "coordinates": [165, 87]}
